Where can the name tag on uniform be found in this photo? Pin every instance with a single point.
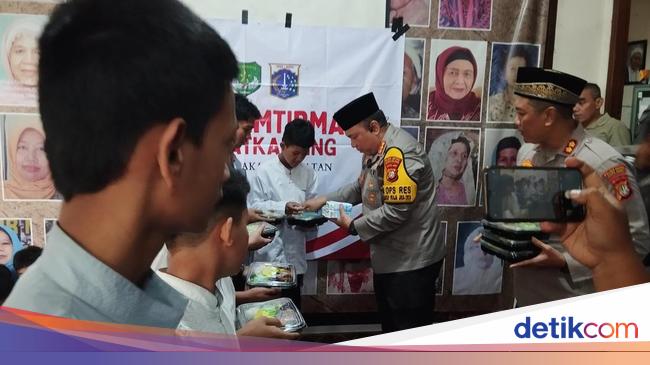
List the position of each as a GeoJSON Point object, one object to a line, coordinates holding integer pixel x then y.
{"type": "Point", "coordinates": [398, 185]}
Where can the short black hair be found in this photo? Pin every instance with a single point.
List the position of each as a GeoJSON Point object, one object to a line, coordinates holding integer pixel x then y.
{"type": "Point", "coordinates": [6, 282]}
{"type": "Point", "coordinates": [299, 132]}
{"type": "Point", "coordinates": [232, 204]}
{"type": "Point", "coordinates": [235, 190]}
{"type": "Point", "coordinates": [595, 90]}
{"type": "Point", "coordinates": [26, 257]}
{"type": "Point", "coordinates": [565, 111]}
{"type": "Point", "coordinates": [110, 70]}
{"type": "Point", "coordinates": [244, 109]}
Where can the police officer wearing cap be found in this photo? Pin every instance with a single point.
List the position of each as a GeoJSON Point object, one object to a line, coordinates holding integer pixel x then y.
{"type": "Point", "coordinates": [544, 103]}
{"type": "Point", "coordinates": [400, 221]}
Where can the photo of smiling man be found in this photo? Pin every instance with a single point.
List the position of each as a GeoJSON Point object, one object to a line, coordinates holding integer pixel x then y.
{"type": "Point", "coordinates": [456, 73]}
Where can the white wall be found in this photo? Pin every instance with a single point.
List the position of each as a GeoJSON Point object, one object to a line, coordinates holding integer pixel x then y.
{"type": "Point", "coordinates": [349, 13]}
{"type": "Point", "coordinates": [582, 39]}
{"type": "Point", "coordinates": [639, 25]}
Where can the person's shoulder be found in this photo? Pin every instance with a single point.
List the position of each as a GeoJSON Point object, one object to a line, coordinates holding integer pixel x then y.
{"type": "Point", "coordinates": [405, 142]}
{"type": "Point", "coordinates": [611, 120]}
{"type": "Point", "coordinates": [527, 150]}
{"type": "Point", "coordinates": [600, 149]}
{"type": "Point", "coordinates": [266, 166]}
{"type": "Point", "coordinates": [35, 285]}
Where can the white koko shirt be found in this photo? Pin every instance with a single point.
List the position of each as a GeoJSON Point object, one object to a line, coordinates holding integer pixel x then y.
{"type": "Point", "coordinates": [272, 187]}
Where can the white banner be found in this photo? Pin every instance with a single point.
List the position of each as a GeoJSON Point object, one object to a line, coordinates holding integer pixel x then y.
{"type": "Point", "coordinates": [309, 73]}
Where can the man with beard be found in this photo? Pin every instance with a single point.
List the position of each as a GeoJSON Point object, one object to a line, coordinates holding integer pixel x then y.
{"type": "Point", "coordinates": [544, 117]}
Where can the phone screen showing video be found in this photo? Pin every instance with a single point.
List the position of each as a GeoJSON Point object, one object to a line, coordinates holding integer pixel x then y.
{"type": "Point", "coordinates": [532, 194]}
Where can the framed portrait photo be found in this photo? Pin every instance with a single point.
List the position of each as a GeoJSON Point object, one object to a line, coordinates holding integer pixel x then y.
{"type": "Point", "coordinates": [635, 60]}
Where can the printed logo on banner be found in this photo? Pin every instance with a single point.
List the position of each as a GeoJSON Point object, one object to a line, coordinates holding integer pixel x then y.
{"type": "Point", "coordinates": [250, 76]}
{"type": "Point", "coordinates": [284, 80]}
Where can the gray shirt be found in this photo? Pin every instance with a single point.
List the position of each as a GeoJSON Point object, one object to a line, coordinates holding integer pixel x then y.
{"type": "Point", "coordinates": [67, 281]}
{"type": "Point", "coordinates": [402, 236]}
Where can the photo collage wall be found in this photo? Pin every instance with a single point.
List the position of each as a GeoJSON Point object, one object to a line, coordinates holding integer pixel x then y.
{"type": "Point", "coordinates": [460, 67]}
{"type": "Point", "coordinates": [460, 63]}
{"type": "Point", "coordinates": [30, 202]}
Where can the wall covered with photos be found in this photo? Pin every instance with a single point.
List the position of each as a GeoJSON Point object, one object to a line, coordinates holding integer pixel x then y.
{"type": "Point", "coordinates": [29, 199]}
{"type": "Point", "coordinates": [461, 117]}
{"type": "Point", "coordinates": [460, 113]}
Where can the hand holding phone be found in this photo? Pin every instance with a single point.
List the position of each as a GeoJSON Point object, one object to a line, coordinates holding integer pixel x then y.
{"type": "Point", "coordinates": [522, 194]}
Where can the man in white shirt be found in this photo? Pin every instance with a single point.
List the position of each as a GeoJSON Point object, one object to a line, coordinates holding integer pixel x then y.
{"type": "Point", "coordinates": [279, 184]}
{"type": "Point", "coordinates": [199, 266]}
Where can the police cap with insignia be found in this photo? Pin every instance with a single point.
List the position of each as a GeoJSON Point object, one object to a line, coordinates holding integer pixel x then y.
{"type": "Point", "coordinates": [356, 111]}
{"type": "Point", "coordinates": [549, 85]}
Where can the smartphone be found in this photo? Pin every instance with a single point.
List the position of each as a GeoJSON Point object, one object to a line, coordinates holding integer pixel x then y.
{"type": "Point", "coordinates": [525, 194]}
{"type": "Point", "coordinates": [507, 255]}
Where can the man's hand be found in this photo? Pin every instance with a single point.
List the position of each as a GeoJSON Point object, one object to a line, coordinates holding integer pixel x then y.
{"type": "Point", "coordinates": [549, 257]}
{"type": "Point", "coordinates": [256, 241]}
{"type": "Point", "coordinates": [605, 230]}
{"type": "Point", "coordinates": [293, 208]}
{"type": "Point", "coordinates": [255, 215]}
{"type": "Point", "coordinates": [343, 220]}
{"type": "Point", "coordinates": [314, 204]}
{"type": "Point", "coordinates": [266, 327]}
{"type": "Point", "coordinates": [257, 295]}
{"type": "Point", "coordinates": [602, 241]}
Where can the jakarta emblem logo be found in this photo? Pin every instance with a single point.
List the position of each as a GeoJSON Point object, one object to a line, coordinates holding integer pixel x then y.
{"type": "Point", "coordinates": [284, 80]}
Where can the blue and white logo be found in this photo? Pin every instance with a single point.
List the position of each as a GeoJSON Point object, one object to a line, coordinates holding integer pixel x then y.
{"type": "Point", "coordinates": [284, 80]}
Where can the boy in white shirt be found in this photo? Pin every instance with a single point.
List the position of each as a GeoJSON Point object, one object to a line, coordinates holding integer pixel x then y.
{"type": "Point", "coordinates": [199, 266]}
{"type": "Point", "coordinates": [279, 184]}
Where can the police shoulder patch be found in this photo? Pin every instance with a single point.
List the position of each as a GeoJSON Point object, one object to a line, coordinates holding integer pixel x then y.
{"type": "Point", "coordinates": [398, 186]}
{"type": "Point", "coordinates": [617, 177]}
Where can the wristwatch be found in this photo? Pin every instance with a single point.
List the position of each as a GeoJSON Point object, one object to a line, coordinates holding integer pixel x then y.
{"type": "Point", "coordinates": [351, 230]}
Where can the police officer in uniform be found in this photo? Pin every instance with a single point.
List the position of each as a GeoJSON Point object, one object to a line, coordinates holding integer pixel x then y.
{"type": "Point", "coordinates": [400, 220]}
{"type": "Point", "coordinates": [544, 117]}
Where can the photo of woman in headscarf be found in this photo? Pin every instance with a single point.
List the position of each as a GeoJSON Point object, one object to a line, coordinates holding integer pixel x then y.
{"type": "Point", "coordinates": [20, 56]}
{"type": "Point", "coordinates": [507, 58]}
{"type": "Point", "coordinates": [412, 78]}
{"type": "Point", "coordinates": [9, 245]}
{"type": "Point", "coordinates": [454, 158]}
{"type": "Point", "coordinates": [475, 272]}
{"type": "Point", "coordinates": [465, 14]}
{"type": "Point", "coordinates": [27, 171]}
{"type": "Point", "coordinates": [457, 76]}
